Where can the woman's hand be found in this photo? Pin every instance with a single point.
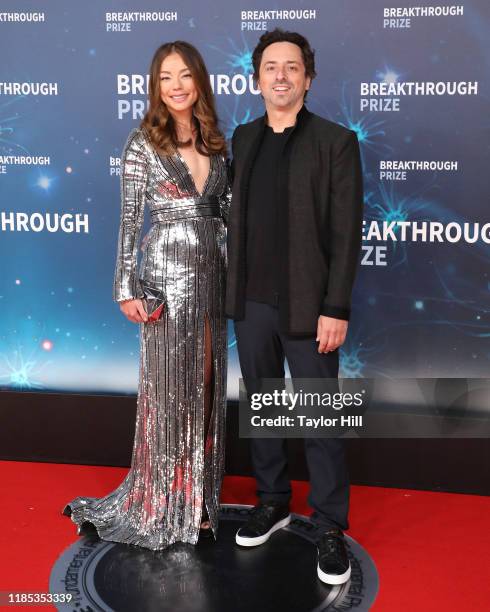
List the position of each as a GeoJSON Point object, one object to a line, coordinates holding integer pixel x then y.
{"type": "Point", "coordinates": [134, 310]}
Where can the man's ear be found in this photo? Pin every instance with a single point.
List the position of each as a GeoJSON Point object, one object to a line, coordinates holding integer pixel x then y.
{"type": "Point", "coordinates": [308, 83]}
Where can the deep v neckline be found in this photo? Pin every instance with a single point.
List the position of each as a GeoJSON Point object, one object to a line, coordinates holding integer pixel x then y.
{"type": "Point", "coordinates": [189, 173]}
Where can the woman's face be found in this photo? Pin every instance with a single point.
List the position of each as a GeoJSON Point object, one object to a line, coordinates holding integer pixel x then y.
{"type": "Point", "coordinates": [177, 87]}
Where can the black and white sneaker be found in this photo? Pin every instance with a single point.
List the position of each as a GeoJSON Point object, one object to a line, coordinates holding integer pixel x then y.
{"type": "Point", "coordinates": [265, 518]}
{"type": "Point", "coordinates": [333, 562]}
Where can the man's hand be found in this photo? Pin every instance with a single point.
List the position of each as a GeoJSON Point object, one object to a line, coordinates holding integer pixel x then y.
{"type": "Point", "coordinates": [330, 333]}
{"type": "Point", "coordinates": [134, 310]}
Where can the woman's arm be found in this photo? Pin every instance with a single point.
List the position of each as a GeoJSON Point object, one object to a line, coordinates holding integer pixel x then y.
{"type": "Point", "coordinates": [225, 198]}
{"type": "Point", "coordinates": [134, 177]}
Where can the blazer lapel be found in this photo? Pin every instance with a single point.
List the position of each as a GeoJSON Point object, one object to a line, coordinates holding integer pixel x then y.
{"type": "Point", "coordinates": [249, 154]}
{"type": "Point", "coordinates": [248, 151]}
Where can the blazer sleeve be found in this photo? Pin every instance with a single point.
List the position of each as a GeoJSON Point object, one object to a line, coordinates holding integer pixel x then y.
{"type": "Point", "coordinates": [232, 163]}
{"type": "Point", "coordinates": [134, 178]}
{"type": "Point", "coordinates": [225, 201]}
{"type": "Point", "coordinates": [345, 225]}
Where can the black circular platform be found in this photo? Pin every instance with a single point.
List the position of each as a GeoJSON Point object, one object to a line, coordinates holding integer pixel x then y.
{"type": "Point", "coordinates": [212, 576]}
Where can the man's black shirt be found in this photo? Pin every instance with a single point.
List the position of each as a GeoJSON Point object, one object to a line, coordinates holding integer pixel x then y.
{"type": "Point", "coordinates": [262, 220]}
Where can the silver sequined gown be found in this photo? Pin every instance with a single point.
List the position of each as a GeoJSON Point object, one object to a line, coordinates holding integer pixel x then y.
{"type": "Point", "coordinates": [173, 469]}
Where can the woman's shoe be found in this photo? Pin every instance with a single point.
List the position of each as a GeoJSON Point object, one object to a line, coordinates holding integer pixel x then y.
{"type": "Point", "coordinates": [205, 532]}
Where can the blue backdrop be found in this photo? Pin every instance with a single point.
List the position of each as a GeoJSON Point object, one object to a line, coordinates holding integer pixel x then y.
{"type": "Point", "coordinates": [412, 82]}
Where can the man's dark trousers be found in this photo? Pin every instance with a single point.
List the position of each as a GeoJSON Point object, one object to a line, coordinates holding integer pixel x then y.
{"type": "Point", "coordinates": [262, 348]}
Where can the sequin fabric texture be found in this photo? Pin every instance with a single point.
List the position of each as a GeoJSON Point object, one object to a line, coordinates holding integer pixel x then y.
{"type": "Point", "coordinates": [174, 472]}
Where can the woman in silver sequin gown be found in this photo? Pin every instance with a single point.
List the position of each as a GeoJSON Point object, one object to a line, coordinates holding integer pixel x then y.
{"type": "Point", "coordinates": [178, 454]}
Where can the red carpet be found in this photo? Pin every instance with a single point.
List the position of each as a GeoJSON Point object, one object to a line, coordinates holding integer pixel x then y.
{"type": "Point", "coordinates": [431, 549]}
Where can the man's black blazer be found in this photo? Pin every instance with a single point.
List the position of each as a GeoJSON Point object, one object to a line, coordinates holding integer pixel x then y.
{"type": "Point", "coordinates": [320, 198]}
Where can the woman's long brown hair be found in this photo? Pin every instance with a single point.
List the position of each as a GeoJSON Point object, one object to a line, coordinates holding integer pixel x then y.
{"type": "Point", "coordinates": [158, 121]}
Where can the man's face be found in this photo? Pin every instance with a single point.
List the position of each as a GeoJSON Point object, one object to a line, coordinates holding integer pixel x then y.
{"type": "Point", "coordinates": [282, 80]}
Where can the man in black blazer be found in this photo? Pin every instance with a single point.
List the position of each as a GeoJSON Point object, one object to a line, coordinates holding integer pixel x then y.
{"type": "Point", "coordinates": [294, 238]}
